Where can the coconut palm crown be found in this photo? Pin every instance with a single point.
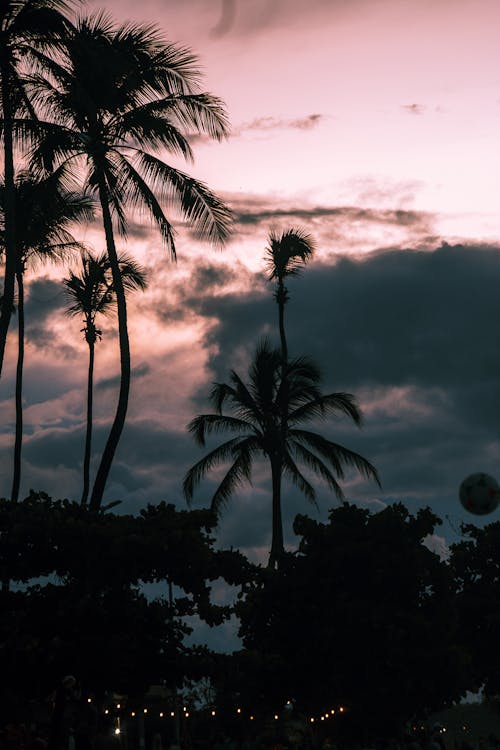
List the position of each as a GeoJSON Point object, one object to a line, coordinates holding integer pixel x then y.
{"type": "Point", "coordinates": [256, 421]}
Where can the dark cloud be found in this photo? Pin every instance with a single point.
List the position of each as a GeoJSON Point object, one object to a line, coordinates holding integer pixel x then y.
{"type": "Point", "coordinates": [392, 317]}
{"type": "Point", "coordinates": [273, 123]}
{"type": "Point", "coordinates": [139, 371]}
{"type": "Point", "coordinates": [345, 213]}
{"type": "Point", "coordinates": [265, 124]}
{"type": "Point", "coordinates": [413, 109]}
{"type": "Point", "coordinates": [184, 299]}
{"type": "Point", "coordinates": [343, 225]}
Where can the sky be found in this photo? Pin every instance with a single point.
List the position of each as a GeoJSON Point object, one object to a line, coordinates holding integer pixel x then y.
{"type": "Point", "coordinates": [373, 125]}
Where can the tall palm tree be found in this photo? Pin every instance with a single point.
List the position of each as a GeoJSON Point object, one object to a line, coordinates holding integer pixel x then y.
{"type": "Point", "coordinates": [117, 95]}
{"type": "Point", "coordinates": [284, 256]}
{"type": "Point", "coordinates": [257, 410]}
{"type": "Point", "coordinates": [45, 209]}
{"type": "Point", "coordinates": [90, 294]}
{"type": "Point", "coordinates": [27, 27]}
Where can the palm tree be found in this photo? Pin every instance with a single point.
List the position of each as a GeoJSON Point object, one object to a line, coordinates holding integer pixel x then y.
{"type": "Point", "coordinates": [45, 210]}
{"type": "Point", "coordinates": [90, 294]}
{"type": "Point", "coordinates": [117, 95]}
{"type": "Point", "coordinates": [27, 27]}
{"type": "Point", "coordinates": [284, 256]}
{"type": "Point", "coordinates": [256, 419]}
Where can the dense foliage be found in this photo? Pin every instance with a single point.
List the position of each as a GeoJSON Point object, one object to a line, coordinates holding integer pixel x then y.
{"type": "Point", "coordinates": [88, 594]}
{"type": "Point", "coordinates": [363, 616]}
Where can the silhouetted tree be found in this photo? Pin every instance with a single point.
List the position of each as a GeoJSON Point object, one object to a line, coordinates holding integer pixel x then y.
{"type": "Point", "coordinates": [91, 293]}
{"type": "Point", "coordinates": [27, 29]}
{"type": "Point", "coordinates": [45, 210]}
{"type": "Point", "coordinates": [87, 614]}
{"type": "Point", "coordinates": [363, 617]}
{"type": "Point", "coordinates": [475, 561]}
{"type": "Point", "coordinates": [257, 410]}
{"type": "Point", "coordinates": [284, 256]}
{"type": "Point", "coordinates": [116, 95]}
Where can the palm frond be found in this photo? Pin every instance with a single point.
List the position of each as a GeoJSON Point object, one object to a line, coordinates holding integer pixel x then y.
{"type": "Point", "coordinates": [201, 112]}
{"type": "Point", "coordinates": [287, 252]}
{"type": "Point", "coordinates": [322, 405]}
{"type": "Point", "coordinates": [209, 216]}
{"type": "Point", "coordinates": [337, 455]}
{"type": "Point", "coordinates": [140, 195]}
{"type": "Point", "coordinates": [315, 464]}
{"type": "Point", "coordinates": [240, 471]}
{"type": "Point", "coordinates": [293, 472]}
{"type": "Point", "coordinates": [149, 128]}
{"type": "Point", "coordinates": [207, 424]}
{"type": "Point", "coordinates": [219, 455]}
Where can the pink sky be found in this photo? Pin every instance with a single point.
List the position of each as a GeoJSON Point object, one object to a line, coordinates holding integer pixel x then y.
{"type": "Point", "coordinates": [372, 125]}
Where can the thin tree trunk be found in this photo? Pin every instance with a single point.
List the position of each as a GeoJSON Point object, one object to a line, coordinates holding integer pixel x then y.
{"type": "Point", "coordinates": [276, 556]}
{"type": "Point", "coordinates": [277, 546]}
{"type": "Point", "coordinates": [281, 297]}
{"type": "Point", "coordinates": [121, 409]}
{"type": "Point", "coordinates": [9, 214]}
{"type": "Point", "coordinates": [88, 434]}
{"type": "Point", "coordinates": [16, 480]}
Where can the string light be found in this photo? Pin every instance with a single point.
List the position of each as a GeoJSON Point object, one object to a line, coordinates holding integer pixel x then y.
{"type": "Point", "coordinates": [117, 730]}
{"type": "Point", "coordinates": [327, 715]}
{"type": "Point", "coordinates": [89, 700]}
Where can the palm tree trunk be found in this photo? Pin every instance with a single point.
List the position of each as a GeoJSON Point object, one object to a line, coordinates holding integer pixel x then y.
{"type": "Point", "coordinates": [277, 546]}
{"type": "Point", "coordinates": [14, 495]}
{"type": "Point", "coordinates": [88, 435]}
{"type": "Point", "coordinates": [10, 208]}
{"type": "Point", "coordinates": [280, 297]}
{"type": "Point", "coordinates": [121, 409]}
{"type": "Point", "coordinates": [277, 520]}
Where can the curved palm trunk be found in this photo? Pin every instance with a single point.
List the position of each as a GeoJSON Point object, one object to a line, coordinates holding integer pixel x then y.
{"type": "Point", "coordinates": [281, 299]}
{"type": "Point", "coordinates": [88, 434]}
{"type": "Point", "coordinates": [277, 546]}
{"type": "Point", "coordinates": [121, 409]}
{"type": "Point", "coordinates": [9, 211]}
{"type": "Point", "coordinates": [16, 480]}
